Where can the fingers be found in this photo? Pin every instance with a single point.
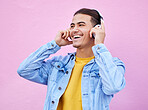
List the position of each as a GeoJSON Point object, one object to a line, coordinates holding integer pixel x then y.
{"type": "Point", "coordinates": [94, 30]}
{"type": "Point", "coordinates": [65, 34]}
{"type": "Point", "coordinates": [97, 30]}
{"type": "Point", "coordinates": [102, 25]}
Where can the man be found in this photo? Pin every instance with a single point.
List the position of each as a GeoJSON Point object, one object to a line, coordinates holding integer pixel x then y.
{"type": "Point", "coordinates": [86, 79]}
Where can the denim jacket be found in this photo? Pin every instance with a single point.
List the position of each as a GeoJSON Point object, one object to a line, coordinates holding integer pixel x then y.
{"type": "Point", "coordinates": [102, 77]}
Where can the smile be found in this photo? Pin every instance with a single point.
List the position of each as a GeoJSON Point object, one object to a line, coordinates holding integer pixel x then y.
{"type": "Point", "coordinates": [76, 37]}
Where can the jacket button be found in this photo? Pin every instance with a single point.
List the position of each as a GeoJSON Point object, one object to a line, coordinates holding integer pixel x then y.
{"type": "Point", "coordinates": [52, 102]}
{"type": "Point", "coordinates": [66, 72]}
{"type": "Point", "coordinates": [59, 88]}
{"type": "Point", "coordinates": [58, 66]}
{"type": "Point", "coordinates": [52, 45]}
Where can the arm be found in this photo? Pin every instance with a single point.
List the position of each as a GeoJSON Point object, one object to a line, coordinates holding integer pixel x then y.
{"type": "Point", "coordinates": [111, 70]}
{"type": "Point", "coordinates": [34, 67]}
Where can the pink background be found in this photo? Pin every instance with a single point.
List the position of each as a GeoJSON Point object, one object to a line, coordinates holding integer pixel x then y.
{"type": "Point", "coordinates": [25, 25]}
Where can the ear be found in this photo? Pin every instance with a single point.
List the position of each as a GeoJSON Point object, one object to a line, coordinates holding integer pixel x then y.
{"type": "Point", "coordinates": [91, 34]}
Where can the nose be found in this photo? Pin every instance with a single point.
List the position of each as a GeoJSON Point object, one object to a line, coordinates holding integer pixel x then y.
{"type": "Point", "coordinates": [75, 30]}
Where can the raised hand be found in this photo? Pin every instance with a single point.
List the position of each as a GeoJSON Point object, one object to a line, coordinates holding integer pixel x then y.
{"type": "Point", "coordinates": [61, 38]}
{"type": "Point", "coordinates": [99, 33]}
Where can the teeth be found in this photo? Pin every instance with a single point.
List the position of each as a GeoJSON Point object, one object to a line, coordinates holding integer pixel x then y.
{"type": "Point", "coordinates": [76, 37]}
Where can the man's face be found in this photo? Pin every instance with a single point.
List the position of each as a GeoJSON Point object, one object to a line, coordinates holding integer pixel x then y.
{"type": "Point", "coordinates": [80, 31]}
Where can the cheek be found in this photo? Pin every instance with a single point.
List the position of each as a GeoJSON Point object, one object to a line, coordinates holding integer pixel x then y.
{"type": "Point", "coordinates": [87, 31]}
{"type": "Point", "coordinates": [87, 34]}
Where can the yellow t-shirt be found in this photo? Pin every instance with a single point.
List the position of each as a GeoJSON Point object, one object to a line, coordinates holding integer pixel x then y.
{"type": "Point", "coordinates": [71, 99]}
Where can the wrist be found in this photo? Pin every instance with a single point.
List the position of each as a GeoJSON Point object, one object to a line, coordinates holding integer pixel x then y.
{"type": "Point", "coordinates": [57, 43]}
{"type": "Point", "coordinates": [99, 42]}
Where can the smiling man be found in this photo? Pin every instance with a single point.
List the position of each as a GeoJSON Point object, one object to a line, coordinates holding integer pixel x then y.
{"type": "Point", "coordinates": [84, 80]}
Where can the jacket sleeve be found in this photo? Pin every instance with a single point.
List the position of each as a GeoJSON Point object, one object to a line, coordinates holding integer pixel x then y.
{"type": "Point", "coordinates": [111, 69]}
{"type": "Point", "coordinates": [34, 68]}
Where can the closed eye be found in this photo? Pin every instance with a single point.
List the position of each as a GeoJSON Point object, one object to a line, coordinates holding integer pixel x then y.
{"type": "Point", "coordinates": [71, 26]}
{"type": "Point", "coordinates": [81, 24]}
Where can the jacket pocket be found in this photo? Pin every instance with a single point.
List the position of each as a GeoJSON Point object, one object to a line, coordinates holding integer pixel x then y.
{"type": "Point", "coordinates": [56, 74]}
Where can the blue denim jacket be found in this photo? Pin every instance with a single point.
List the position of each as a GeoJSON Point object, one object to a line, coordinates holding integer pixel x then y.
{"type": "Point", "coordinates": [102, 77]}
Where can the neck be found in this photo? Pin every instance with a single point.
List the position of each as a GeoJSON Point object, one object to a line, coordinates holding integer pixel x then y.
{"type": "Point", "coordinates": [84, 53]}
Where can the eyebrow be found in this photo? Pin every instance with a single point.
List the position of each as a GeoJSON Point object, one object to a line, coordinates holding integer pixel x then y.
{"type": "Point", "coordinates": [78, 23]}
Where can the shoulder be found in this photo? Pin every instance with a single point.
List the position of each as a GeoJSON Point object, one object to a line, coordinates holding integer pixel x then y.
{"type": "Point", "coordinates": [61, 59]}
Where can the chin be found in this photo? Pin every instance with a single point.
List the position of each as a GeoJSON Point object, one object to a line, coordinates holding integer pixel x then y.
{"type": "Point", "coordinates": [76, 46]}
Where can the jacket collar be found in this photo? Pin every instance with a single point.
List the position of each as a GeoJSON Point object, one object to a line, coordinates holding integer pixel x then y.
{"type": "Point", "coordinates": [73, 57]}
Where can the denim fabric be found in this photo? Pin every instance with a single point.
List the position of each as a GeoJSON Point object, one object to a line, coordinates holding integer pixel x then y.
{"type": "Point", "coordinates": [102, 77]}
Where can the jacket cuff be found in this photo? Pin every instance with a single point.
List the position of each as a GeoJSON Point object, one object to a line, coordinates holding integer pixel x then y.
{"type": "Point", "coordinates": [52, 45]}
{"type": "Point", "coordinates": [99, 48]}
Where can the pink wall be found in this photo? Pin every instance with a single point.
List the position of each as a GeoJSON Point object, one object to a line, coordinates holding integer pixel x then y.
{"type": "Point", "coordinates": [25, 25]}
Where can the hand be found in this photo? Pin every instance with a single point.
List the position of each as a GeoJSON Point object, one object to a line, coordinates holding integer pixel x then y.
{"type": "Point", "coordinates": [62, 38]}
{"type": "Point", "coordinates": [99, 33]}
